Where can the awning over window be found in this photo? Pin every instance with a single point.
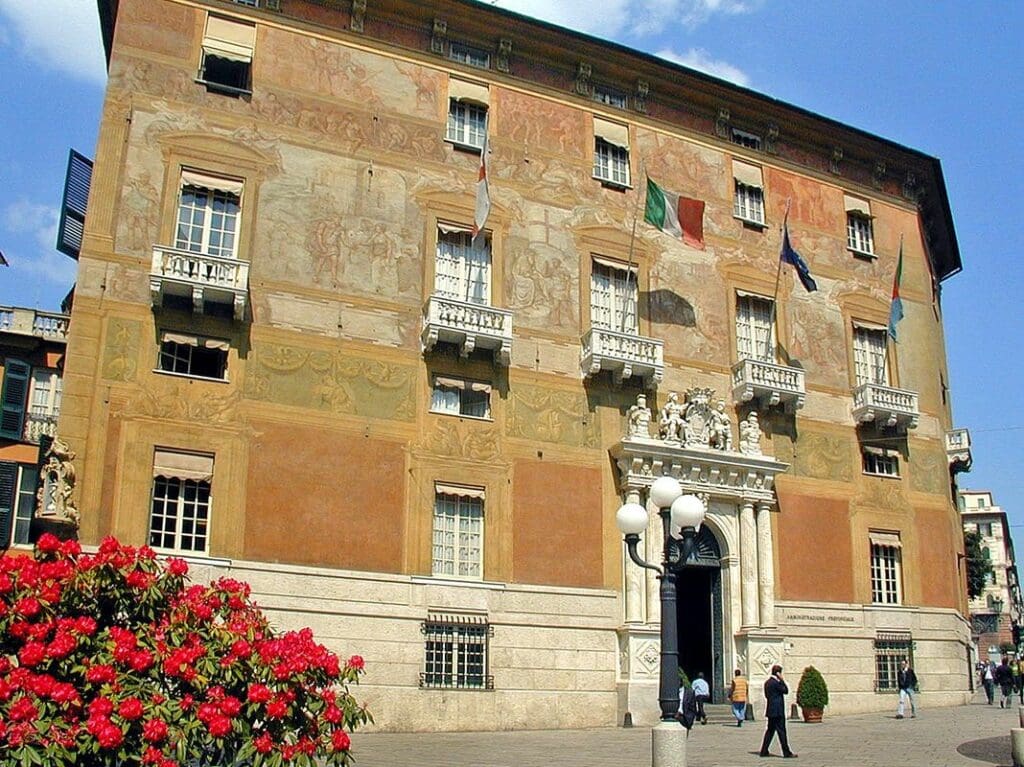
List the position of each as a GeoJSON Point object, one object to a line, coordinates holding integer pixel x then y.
{"type": "Point", "coordinates": [174, 465]}
{"type": "Point", "coordinates": [857, 205]}
{"type": "Point", "coordinates": [880, 538]}
{"type": "Point", "coordinates": [616, 134]}
{"type": "Point", "coordinates": [459, 490]}
{"type": "Point", "coordinates": [197, 341]}
{"type": "Point", "coordinates": [874, 450]}
{"type": "Point", "coordinates": [205, 181]}
{"type": "Point", "coordinates": [463, 90]}
{"type": "Point", "coordinates": [863, 325]}
{"type": "Point", "coordinates": [746, 174]}
{"type": "Point", "coordinates": [613, 264]}
{"type": "Point", "coordinates": [458, 383]}
{"type": "Point", "coordinates": [229, 39]}
{"type": "Point", "coordinates": [758, 296]}
{"type": "Point", "coordinates": [446, 228]}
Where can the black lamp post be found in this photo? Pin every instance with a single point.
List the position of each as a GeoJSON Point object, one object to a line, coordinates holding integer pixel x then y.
{"type": "Point", "coordinates": [682, 513]}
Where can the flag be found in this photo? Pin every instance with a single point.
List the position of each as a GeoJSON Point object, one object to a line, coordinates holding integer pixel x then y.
{"type": "Point", "coordinates": [483, 194]}
{"type": "Point", "coordinates": [896, 308]}
{"type": "Point", "coordinates": [790, 256]}
{"type": "Point", "coordinates": [675, 215]}
{"type": "Point", "coordinates": [3, 260]}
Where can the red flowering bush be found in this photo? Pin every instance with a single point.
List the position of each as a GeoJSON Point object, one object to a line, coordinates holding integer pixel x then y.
{"type": "Point", "coordinates": [113, 659]}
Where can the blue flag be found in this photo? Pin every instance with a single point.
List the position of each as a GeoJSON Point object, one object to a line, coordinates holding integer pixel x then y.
{"type": "Point", "coordinates": [896, 307]}
{"type": "Point", "coordinates": [790, 256]}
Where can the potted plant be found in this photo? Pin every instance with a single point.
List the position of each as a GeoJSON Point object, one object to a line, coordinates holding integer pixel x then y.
{"type": "Point", "coordinates": [812, 694]}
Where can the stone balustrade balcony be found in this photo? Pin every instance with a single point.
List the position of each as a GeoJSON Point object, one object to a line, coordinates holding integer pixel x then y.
{"type": "Point", "coordinates": [769, 383]}
{"type": "Point", "coordinates": [624, 354]}
{"type": "Point", "coordinates": [885, 406]}
{"type": "Point", "coordinates": [204, 279]}
{"type": "Point", "coordinates": [468, 325]}
{"type": "Point", "coordinates": [958, 450]}
{"type": "Point", "coordinates": [39, 423]}
{"type": "Point", "coordinates": [32, 322]}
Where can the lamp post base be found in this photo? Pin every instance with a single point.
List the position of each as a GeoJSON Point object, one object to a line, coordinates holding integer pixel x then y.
{"type": "Point", "coordinates": [668, 745]}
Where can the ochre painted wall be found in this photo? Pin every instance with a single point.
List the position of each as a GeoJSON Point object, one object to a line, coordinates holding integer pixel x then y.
{"type": "Point", "coordinates": [812, 538]}
{"type": "Point", "coordinates": [322, 498]}
{"type": "Point", "coordinates": [556, 511]}
{"type": "Point", "coordinates": [936, 546]}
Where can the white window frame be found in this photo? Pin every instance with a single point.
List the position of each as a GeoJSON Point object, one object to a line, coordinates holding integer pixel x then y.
{"type": "Point", "coordinates": [748, 204]}
{"type": "Point", "coordinates": [610, 97]}
{"type": "Point", "coordinates": [184, 496]}
{"type": "Point", "coordinates": [456, 396]}
{"type": "Point", "coordinates": [755, 328]}
{"type": "Point", "coordinates": [182, 348]}
{"type": "Point", "coordinates": [870, 355]}
{"type": "Point", "coordinates": [462, 267]}
{"type": "Point", "coordinates": [467, 123]}
{"type": "Point", "coordinates": [469, 55]}
{"type": "Point", "coordinates": [613, 296]}
{"type": "Point", "coordinates": [886, 569]}
{"type": "Point", "coordinates": [745, 139]}
{"type": "Point", "coordinates": [880, 462]}
{"type": "Point", "coordinates": [859, 234]}
{"type": "Point", "coordinates": [458, 532]}
{"type": "Point", "coordinates": [24, 506]}
{"type": "Point", "coordinates": [611, 163]}
{"type": "Point", "coordinates": [209, 212]}
{"type": "Point", "coordinates": [45, 391]}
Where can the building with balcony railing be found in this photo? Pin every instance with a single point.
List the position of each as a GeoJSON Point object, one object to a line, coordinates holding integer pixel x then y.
{"type": "Point", "coordinates": [376, 407]}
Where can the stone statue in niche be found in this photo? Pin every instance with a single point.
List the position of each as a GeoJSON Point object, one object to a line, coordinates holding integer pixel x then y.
{"type": "Point", "coordinates": [673, 426]}
{"type": "Point", "coordinates": [56, 495]}
{"type": "Point", "coordinates": [639, 418]}
{"type": "Point", "coordinates": [719, 428]}
{"type": "Point", "coordinates": [750, 435]}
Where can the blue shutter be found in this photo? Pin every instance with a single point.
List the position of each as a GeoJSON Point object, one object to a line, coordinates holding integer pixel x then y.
{"type": "Point", "coordinates": [15, 393]}
{"type": "Point", "coordinates": [72, 207]}
{"type": "Point", "coordinates": [8, 494]}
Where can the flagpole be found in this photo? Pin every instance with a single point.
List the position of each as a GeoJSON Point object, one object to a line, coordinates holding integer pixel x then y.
{"type": "Point", "coordinates": [629, 262]}
{"type": "Point", "coordinates": [778, 270]}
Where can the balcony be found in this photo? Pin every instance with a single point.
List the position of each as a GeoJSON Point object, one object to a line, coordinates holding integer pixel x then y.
{"type": "Point", "coordinates": [958, 450]}
{"type": "Point", "coordinates": [51, 326]}
{"type": "Point", "coordinates": [39, 423]}
{"type": "Point", "coordinates": [625, 354]}
{"type": "Point", "coordinates": [204, 279]}
{"type": "Point", "coordinates": [468, 325]}
{"type": "Point", "coordinates": [885, 406]}
{"type": "Point", "coordinates": [768, 383]}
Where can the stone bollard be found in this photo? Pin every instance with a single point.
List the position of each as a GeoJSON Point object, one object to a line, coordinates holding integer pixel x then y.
{"type": "Point", "coordinates": [1017, 746]}
{"type": "Point", "coordinates": [1020, 713]}
{"type": "Point", "coordinates": [668, 745]}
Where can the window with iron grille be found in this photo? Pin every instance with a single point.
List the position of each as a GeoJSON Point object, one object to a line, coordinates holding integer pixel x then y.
{"type": "Point", "coordinates": [456, 653]}
{"type": "Point", "coordinates": [890, 651]}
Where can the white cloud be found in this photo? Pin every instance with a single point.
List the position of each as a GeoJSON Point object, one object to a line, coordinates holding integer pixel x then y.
{"type": "Point", "coordinates": [33, 256]}
{"type": "Point", "coordinates": [62, 34]}
{"type": "Point", "coordinates": [701, 60]}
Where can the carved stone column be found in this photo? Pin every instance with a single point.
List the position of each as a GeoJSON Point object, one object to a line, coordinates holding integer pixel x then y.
{"type": "Point", "coordinates": [634, 586]}
{"type": "Point", "coordinates": [653, 543]}
{"type": "Point", "coordinates": [765, 565]}
{"type": "Point", "coordinates": [748, 567]}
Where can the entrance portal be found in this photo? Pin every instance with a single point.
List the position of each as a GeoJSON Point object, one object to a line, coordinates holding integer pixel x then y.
{"type": "Point", "coordinates": [699, 615]}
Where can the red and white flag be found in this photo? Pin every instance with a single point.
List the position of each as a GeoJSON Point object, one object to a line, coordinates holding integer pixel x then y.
{"type": "Point", "coordinates": [483, 195]}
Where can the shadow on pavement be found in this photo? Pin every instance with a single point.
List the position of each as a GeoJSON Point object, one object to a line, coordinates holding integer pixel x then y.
{"type": "Point", "coordinates": [991, 750]}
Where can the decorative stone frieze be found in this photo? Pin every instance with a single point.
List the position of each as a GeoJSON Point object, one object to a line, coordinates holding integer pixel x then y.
{"type": "Point", "coordinates": [439, 36]}
{"type": "Point", "coordinates": [57, 488]}
{"type": "Point", "coordinates": [835, 160]}
{"type": "Point", "coordinates": [771, 139]}
{"type": "Point", "coordinates": [582, 85]}
{"type": "Point", "coordinates": [501, 61]}
{"type": "Point", "coordinates": [358, 15]}
{"type": "Point", "coordinates": [878, 174]}
{"type": "Point", "coordinates": [722, 123]}
{"type": "Point", "coordinates": [643, 90]}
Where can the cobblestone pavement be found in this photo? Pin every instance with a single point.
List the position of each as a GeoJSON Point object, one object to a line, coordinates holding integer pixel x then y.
{"type": "Point", "coordinates": [976, 734]}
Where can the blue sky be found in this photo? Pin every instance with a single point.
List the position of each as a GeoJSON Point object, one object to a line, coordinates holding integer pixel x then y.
{"type": "Point", "coordinates": [940, 77]}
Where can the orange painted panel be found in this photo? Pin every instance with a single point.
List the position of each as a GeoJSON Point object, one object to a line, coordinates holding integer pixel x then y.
{"type": "Point", "coordinates": [325, 498]}
{"type": "Point", "coordinates": [815, 557]}
{"type": "Point", "coordinates": [159, 28]}
{"type": "Point", "coordinates": [940, 582]}
{"type": "Point", "coordinates": [556, 523]}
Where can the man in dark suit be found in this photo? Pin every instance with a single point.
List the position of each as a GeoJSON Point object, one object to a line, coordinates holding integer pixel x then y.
{"type": "Point", "coordinates": [775, 690]}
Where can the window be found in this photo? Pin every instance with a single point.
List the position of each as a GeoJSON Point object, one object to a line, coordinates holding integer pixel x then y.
{"type": "Point", "coordinates": [458, 531]}
{"type": "Point", "coordinates": [748, 140]}
{"type": "Point", "coordinates": [465, 54]}
{"type": "Point", "coordinates": [981, 503]}
{"type": "Point", "coordinates": [208, 212]}
{"type": "Point", "coordinates": [43, 404]}
{"type": "Point", "coordinates": [869, 355]}
{"type": "Point", "coordinates": [193, 356]}
{"type": "Point", "coordinates": [755, 334]}
{"type": "Point", "coordinates": [881, 462]}
{"type": "Point", "coordinates": [891, 649]}
{"type": "Point", "coordinates": [180, 512]}
{"type": "Point", "coordinates": [13, 398]}
{"type": "Point", "coordinates": [885, 568]}
{"type": "Point", "coordinates": [25, 506]}
{"type": "Point", "coordinates": [985, 528]}
{"type": "Point", "coordinates": [462, 270]}
{"type": "Point", "coordinates": [456, 396]}
{"type": "Point", "coordinates": [748, 204]}
{"type": "Point", "coordinates": [613, 296]}
{"type": "Point", "coordinates": [612, 98]}
{"type": "Point", "coordinates": [250, 3]}
{"type": "Point", "coordinates": [859, 236]}
{"type": "Point", "coordinates": [611, 152]}
{"type": "Point", "coordinates": [456, 652]}
{"type": "Point", "coordinates": [227, 56]}
{"type": "Point", "coordinates": [467, 113]}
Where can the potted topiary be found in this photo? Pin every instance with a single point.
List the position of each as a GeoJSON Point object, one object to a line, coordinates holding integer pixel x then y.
{"type": "Point", "coordinates": [812, 694]}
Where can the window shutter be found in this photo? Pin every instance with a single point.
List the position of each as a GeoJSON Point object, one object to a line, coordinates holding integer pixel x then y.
{"type": "Point", "coordinates": [73, 204]}
{"type": "Point", "coordinates": [12, 417]}
{"type": "Point", "coordinates": [8, 494]}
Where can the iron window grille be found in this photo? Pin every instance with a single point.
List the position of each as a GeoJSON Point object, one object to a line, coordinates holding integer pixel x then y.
{"type": "Point", "coordinates": [456, 652]}
{"type": "Point", "coordinates": [891, 649]}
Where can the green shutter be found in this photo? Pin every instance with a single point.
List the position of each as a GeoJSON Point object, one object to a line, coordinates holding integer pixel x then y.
{"type": "Point", "coordinates": [8, 495]}
{"type": "Point", "coordinates": [15, 393]}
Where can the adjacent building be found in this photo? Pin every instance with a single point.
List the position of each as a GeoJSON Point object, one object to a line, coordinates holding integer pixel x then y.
{"type": "Point", "coordinates": [294, 359]}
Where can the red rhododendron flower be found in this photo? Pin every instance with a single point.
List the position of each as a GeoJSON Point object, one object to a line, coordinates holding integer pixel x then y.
{"type": "Point", "coordinates": [259, 693]}
{"type": "Point", "coordinates": [263, 743]}
{"type": "Point", "coordinates": [48, 543]}
{"type": "Point", "coordinates": [230, 706]}
{"type": "Point", "coordinates": [177, 567]}
{"type": "Point", "coordinates": [101, 674]}
{"type": "Point", "coordinates": [277, 709]}
{"type": "Point", "coordinates": [356, 662]}
{"type": "Point", "coordinates": [154, 730]}
{"type": "Point", "coordinates": [340, 740]}
{"type": "Point", "coordinates": [219, 726]}
{"type": "Point", "coordinates": [23, 710]}
{"type": "Point", "coordinates": [27, 607]}
{"type": "Point", "coordinates": [32, 654]}
{"type": "Point", "coordinates": [130, 708]}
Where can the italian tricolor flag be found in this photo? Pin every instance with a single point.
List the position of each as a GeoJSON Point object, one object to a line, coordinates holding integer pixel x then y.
{"type": "Point", "coordinates": [675, 215]}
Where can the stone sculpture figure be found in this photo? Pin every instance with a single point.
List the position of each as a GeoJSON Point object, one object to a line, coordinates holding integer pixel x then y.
{"type": "Point", "coordinates": [720, 432]}
{"type": "Point", "coordinates": [673, 425]}
{"type": "Point", "coordinates": [639, 418]}
{"type": "Point", "coordinates": [59, 482]}
{"type": "Point", "coordinates": [750, 435]}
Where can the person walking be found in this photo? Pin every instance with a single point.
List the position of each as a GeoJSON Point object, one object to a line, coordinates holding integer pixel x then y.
{"type": "Point", "coordinates": [906, 679]}
{"type": "Point", "coordinates": [988, 680]}
{"type": "Point", "coordinates": [738, 693]}
{"type": "Point", "coordinates": [775, 690]}
{"type": "Point", "coordinates": [687, 707]}
{"type": "Point", "coordinates": [703, 695]}
{"type": "Point", "coordinates": [1004, 678]}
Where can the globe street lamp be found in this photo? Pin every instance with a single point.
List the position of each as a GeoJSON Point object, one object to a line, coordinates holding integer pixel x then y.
{"type": "Point", "coordinates": [683, 515]}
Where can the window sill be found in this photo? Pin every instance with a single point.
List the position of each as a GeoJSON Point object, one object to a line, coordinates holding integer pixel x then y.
{"type": "Point", "coordinates": [614, 185]}
{"type": "Point", "coordinates": [881, 476]}
{"type": "Point", "coordinates": [751, 223]}
{"type": "Point", "coordinates": [448, 580]}
{"type": "Point", "coordinates": [459, 146]}
{"type": "Point", "coordinates": [190, 377]}
{"type": "Point", "coordinates": [863, 255]}
{"type": "Point", "coordinates": [225, 90]}
{"type": "Point", "coordinates": [484, 418]}
{"type": "Point", "coordinates": [193, 558]}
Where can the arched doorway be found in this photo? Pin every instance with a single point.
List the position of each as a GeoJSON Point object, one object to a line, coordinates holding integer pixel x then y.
{"type": "Point", "coordinates": [699, 615]}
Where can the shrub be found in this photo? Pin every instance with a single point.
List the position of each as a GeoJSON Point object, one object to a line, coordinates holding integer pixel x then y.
{"type": "Point", "coordinates": [812, 692]}
{"type": "Point", "coordinates": [113, 659]}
